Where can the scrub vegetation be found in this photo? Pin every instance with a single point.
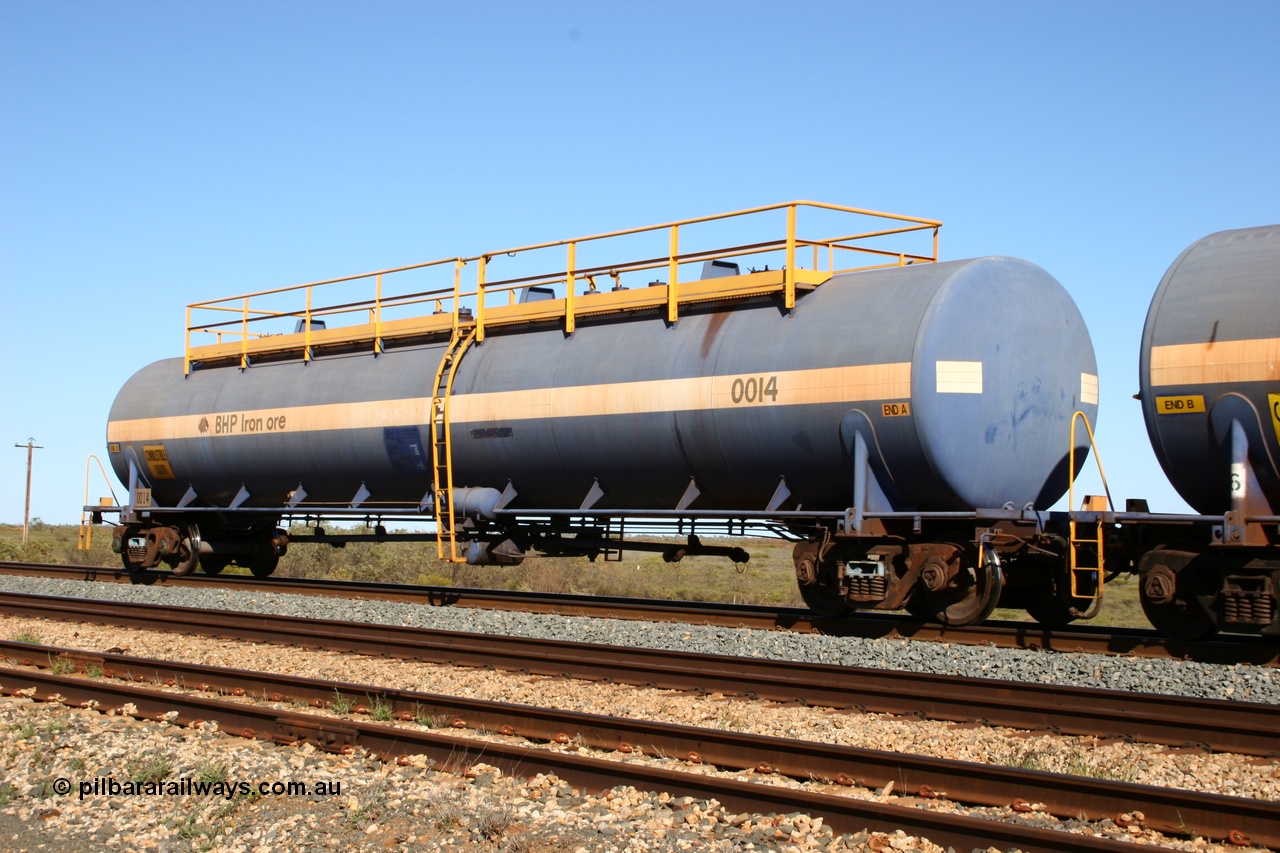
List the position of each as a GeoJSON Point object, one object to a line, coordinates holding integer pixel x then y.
{"type": "Point", "coordinates": [56, 543]}
{"type": "Point", "coordinates": [767, 579]}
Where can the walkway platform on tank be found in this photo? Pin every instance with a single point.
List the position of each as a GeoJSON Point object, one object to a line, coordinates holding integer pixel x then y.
{"type": "Point", "coordinates": [429, 302]}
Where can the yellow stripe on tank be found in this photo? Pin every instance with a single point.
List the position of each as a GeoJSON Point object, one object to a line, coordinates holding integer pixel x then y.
{"type": "Point", "coordinates": [853, 384]}
{"type": "Point", "coordinates": [782, 388]}
{"type": "Point", "coordinates": [282, 419]}
{"type": "Point", "coordinates": [1216, 362]}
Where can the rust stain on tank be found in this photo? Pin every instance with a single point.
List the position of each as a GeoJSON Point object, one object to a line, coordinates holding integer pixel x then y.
{"type": "Point", "coordinates": [713, 330]}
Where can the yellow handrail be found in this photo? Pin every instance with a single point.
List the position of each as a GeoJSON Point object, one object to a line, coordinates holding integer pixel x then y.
{"type": "Point", "coordinates": [1098, 541]}
{"type": "Point", "coordinates": [246, 314]}
{"type": "Point", "coordinates": [1071, 456]}
{"type": "Point", "coordinates": [84, 541]}
{"type": "Point", "coordinates": [789, 276]}
{"type": "Point", "coordinates": [673, 274]}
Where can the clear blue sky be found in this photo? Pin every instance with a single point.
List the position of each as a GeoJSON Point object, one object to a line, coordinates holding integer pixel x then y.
{"type": "Point", "coordinates": [158, 153]}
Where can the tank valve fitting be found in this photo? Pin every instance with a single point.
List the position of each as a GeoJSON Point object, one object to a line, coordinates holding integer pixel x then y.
{"type": "Point", "coordinates": [503, 553]}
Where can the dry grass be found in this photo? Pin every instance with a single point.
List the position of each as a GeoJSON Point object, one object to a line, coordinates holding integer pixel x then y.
{"type": "Point", "coordinates": [49, 543]}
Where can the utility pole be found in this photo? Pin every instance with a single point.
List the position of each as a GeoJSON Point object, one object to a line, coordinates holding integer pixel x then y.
{"type": "Point", "coordinates": [31, 447]}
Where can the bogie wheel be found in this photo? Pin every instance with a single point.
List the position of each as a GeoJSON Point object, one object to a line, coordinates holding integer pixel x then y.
{"type": "Point", "coordinates": [1177, 589]}
{"type": "Point", "coordinates": [1052, 604]}
{"type": "Point", "coordinates": [919, 607]}
{"type": "Point", "coordinates": [188, 556]}
{"type": "Point", "coordinates": [814, 578]}
{"type": "Point", "coordinates": [968, 600]}
{"type": "Point", "coordinates": [825, 601]}
{"type": "Point", "coordinates": [212, 565]}
{"type": "Point", "coordinates": [263, 562]}
{"type": "Point", "coordinates": [266, 556]}
{"type": "Point", "coordinates": [1051, 612]}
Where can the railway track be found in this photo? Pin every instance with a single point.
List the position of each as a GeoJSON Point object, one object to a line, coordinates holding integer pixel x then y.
{"type": "Point", "coordinates": [1238, 727]}
{"type": "Point", "coordinates": [1226, 649]}
{"type": "Point", "coordinates": [1165, 810]}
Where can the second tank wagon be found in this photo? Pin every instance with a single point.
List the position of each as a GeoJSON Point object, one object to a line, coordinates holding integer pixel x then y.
{"type": "Point", "coordinates": [1209, 372]}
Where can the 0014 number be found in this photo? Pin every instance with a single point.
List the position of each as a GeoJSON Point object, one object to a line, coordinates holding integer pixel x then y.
{"type": "Point", "coordinates": [754, 389]}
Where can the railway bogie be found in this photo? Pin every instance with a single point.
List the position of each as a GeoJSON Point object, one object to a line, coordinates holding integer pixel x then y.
{"type": "Point", "coordinates": [178, 544]}
{"type": "Point", "coordinates": [1191, 587]}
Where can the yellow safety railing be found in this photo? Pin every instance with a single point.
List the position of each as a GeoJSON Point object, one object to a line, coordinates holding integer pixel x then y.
{"type": "Point", "coordinates": [1097, 540]}
{"type": "Point", "coordinates": [241, 326]}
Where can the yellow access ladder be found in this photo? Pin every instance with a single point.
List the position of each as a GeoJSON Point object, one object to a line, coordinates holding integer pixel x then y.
{"type": "Point", "coordinates": [441, 446]}
{"type": "Point", "coordinates": [1086, 538]}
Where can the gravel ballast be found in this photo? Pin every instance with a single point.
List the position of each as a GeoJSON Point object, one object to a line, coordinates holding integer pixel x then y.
{"type": "Point", "coordinates": [366, 806]}
{"type": "Point", "coordinates": [1139, 675]}
{"type": "Point", "coordinates": [414, 808]}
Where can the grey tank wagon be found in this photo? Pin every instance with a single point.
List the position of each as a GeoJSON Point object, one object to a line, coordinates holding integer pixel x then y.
{"type": "Point", "coordinates": [906, 423]}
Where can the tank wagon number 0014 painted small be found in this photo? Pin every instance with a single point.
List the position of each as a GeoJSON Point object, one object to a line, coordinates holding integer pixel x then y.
{"type": "Point", "coordinates": [905, 421]}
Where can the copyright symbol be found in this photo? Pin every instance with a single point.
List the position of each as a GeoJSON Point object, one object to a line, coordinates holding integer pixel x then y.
{"type": "Point", "coordinates": [62, 786]}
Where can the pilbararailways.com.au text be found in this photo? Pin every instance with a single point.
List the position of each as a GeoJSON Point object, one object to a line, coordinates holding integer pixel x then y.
{"type": "Point", "coordinates": [107, 786]}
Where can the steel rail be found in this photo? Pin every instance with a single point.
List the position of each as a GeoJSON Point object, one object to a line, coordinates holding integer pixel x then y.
{"type": "Point", "coordinates": [1230, 649]}
{"type": "Point", "coordinates": [1239, 727]}
{"type": "Point", "coordinates": [1210, 815]}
